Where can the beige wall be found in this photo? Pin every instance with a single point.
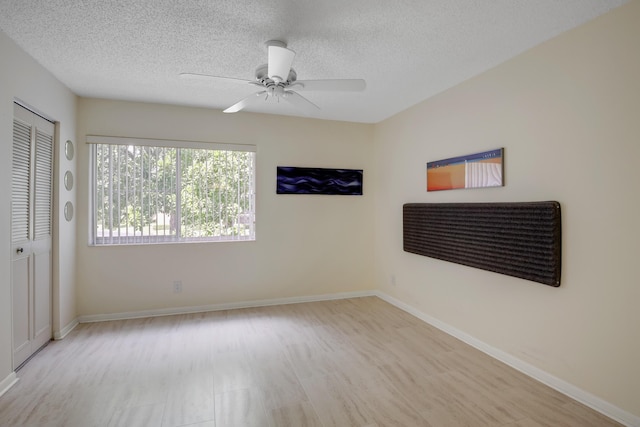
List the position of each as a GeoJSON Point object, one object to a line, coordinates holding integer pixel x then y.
{"type": "Point", "coordinates": [568, 115]}
{"type": "Point", "coordinates": [306, 245]}
{"type": "Point", "coordinates": [21, 77]}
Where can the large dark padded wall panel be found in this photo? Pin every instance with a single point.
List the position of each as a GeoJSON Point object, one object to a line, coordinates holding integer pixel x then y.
{"type": "Point", "coordinates": [517, 239]}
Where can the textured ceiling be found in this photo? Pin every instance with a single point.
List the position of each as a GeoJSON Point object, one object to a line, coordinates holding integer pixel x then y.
{"type": "Point", "coordinates": [406, 50]}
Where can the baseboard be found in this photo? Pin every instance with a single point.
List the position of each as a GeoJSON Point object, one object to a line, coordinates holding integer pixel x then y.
{"type": "Point", "coordinates": [538, 374]}
{"type": "Point", "coordinates": [224, 306]}
{"type": "Point", "coordinates": [65, 331]}
{"type": "Point", "coordinates": [7, 383]}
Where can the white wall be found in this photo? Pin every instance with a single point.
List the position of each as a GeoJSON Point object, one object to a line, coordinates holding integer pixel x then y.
{"type": "Point", "coordinates": [306, 244]}
{"type": "Point", "coordinates": [21, 77]}
{"type": "Point", "coordinates": [568, 115]}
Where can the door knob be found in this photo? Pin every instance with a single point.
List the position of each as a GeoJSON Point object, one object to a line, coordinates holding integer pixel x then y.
{"type": "Point", "coordinates": [20, 250]}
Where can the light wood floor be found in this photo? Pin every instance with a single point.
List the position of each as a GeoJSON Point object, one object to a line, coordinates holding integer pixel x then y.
{"type": "Point", "coordinates": [356, 362]}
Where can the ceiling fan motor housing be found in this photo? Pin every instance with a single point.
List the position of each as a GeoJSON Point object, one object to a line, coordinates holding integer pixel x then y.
{"type": "Point", "coordinates": [262, 76]}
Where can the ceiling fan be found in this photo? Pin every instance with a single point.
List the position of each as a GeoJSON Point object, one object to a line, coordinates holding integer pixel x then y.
{"type": "Point", "coordinates": [277, 80]}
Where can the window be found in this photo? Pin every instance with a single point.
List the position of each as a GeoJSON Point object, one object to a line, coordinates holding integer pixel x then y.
{"type": "Point", "coordinates": [156, 191]}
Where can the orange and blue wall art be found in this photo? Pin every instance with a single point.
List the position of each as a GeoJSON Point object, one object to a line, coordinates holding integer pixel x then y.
{"type": "Point", "coordinates": [478, 170]}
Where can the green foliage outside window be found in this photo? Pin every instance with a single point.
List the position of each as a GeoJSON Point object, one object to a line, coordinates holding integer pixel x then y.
{"type": "Point", "coordinates": [149, 194]}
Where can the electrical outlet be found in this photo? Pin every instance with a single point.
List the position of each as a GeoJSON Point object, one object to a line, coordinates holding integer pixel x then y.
{"type": "Point", "coordinates": [393, 279]}
{"type": "Point", "coordinates": [177, 286]}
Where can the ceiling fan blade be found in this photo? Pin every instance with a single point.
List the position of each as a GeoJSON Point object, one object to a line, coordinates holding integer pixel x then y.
{"type": "Point", "coordinates": [279, 65]}
{"type": "Point", "coordinates": [245, 102]}
{"type": "Point", "coordinates": [206, 77]}
{"type": "Point", "coordinates": [300, 102]}
{"type": "Point", "coordinates": [337, 85]}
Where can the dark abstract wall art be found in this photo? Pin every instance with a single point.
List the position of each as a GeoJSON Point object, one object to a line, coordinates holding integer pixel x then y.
{"type": "Point", "coordinates": [296, 180]}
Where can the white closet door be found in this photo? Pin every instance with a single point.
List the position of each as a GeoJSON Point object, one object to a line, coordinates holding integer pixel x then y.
{"type": "Point", "coordinates": [41, 246]}
{"type": "Point", "coordinates": [32, 178]}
